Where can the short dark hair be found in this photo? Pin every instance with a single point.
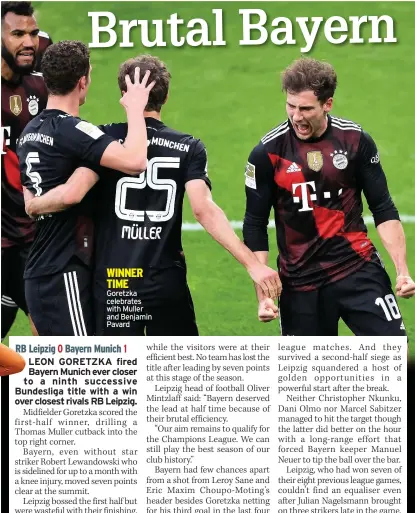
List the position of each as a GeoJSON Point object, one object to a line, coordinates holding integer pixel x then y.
{"type": "Point", "coordinates": [19, 8]}
{"type": "Point", "coordinates": [307, 74]}
{"type": "Point", "coordinates": [158, 72]}
{"type": "Point", "coordinates": [63, 64]}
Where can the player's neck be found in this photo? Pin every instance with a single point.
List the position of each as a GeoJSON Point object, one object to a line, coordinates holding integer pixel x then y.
{"type": "Point", "coordinates": [6, 71]}
{"type": "Point", "coordinates": [68, 103]}
{"type": "Point", "coordinates": [152, 114]}
{"type": "Point", "coordinates": [323, 128]}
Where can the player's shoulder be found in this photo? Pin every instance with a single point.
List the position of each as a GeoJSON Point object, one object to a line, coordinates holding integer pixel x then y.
{"type": "Point", "coordinates": [44, 42]}
{"type": "Point", "coordinates": [80, 127]}
{"type": "Point", "coordinates": [64, 125]}
{"type": "Point", "coordinates": [61, 118]}
{"type": "Point", "coordinates": [35, 79]}
{"type": "Point", "coordinates": [115, 130]}
{"type": "Point", "coordinates": [345, 125]}
{"type": "Point", "coordinates": [65, 119]}
{"type": "Point", "coordinates": [270, 141]}
{"type": "Point", "coordinates": [29, 127]}
{"type": "Point", "coordinates": [28, 134]}
{"type": "Point", "coordinates": [160, 134]}
{"type": "Point", "coordinates": [34, 85]}
{"type": "Point", "coordinates": [44, 35]}
{"type": "Point", "coordinates": [275, 135]}
{"type": "Point", "coordinates": [184, 137]}
{"type": "Point", "coordinates": [48, 122]}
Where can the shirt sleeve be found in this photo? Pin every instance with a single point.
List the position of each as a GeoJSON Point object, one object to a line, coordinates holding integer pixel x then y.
{"type": "Point", "coordinates": [198, 165]}
{"type": "Point", "coordinates": [118, 132]}
{"type": "Point", "coordinates": [372, 181]}
{"type": "Point", "coordinates": [259, 190]}
{"type": "Point", "coordinates": [83, 140]}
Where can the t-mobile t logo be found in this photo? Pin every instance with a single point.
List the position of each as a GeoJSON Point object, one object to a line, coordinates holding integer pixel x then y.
{"type": "Point", "coordinates": [304, 194]}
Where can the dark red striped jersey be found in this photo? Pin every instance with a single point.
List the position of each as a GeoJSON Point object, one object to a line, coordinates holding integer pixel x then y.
{"type": "Point", "coordinates": [315, 188]}
{"type": "Point", "coordinates": [21, 101]}
{"type": "Point", "coordinates": [44, 41]}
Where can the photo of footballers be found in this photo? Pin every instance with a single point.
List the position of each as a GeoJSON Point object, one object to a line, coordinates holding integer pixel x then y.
{"type": "Point", "coordinates": [324, 146]}
{"type": "Point", "coordinates": [328, 266]}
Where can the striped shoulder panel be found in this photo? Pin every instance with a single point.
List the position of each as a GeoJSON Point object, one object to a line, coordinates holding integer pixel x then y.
{"type": "Point", "coordinates": [345, 124]}
{"type": "Point", "coordinates": [8, 301]}
{"type": "Point", "coordinates": [275, 132]}
{"type": "Point", "coordinates": [44, 34]}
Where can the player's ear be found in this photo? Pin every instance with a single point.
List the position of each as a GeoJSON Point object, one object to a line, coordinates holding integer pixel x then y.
{"type": "Point", "coordinates": [328, 105]}
{"type": "Point", "coordinates": [82, 82]}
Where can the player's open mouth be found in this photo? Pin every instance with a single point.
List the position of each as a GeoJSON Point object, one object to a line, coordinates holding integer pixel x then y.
{"type": "Point", "coordinates": [26, 55]}
{"type": "Point", "coordinates": [302, 129]}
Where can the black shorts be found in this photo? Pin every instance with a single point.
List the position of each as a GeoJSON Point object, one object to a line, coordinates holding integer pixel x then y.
{"type": "Point", "coordinates": [13, 261]}
{"type": "Point", "coordinates": [130, 315]}
{"type": "Point", "coordinates": [61, 303]}
{"type": "Point", "coordinates": [364, 300]}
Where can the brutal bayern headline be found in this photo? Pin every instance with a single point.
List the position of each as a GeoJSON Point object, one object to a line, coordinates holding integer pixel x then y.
{"type": "Point", "coordinates": [257, 28]}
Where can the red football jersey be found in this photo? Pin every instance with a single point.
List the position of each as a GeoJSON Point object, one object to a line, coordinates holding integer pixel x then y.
{"type": "Point", "coordinates": [21, 101]}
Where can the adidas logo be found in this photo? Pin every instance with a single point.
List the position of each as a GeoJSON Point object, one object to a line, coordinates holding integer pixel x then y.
{"type": "Point", "coordinates": [293, 168]}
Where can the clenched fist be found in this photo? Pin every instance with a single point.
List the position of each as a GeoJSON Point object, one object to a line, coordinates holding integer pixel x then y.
{"type": "Point", "coordinates": [267, 310]}
{"type": "Point", "coordinates": [405, 286]}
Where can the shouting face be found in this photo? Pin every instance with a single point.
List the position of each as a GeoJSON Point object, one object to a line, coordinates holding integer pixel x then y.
{"type": "Point", "coordinates": [307, 114]}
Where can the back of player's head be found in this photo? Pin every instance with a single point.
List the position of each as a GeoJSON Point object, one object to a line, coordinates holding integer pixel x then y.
{"type": "Point", "coordinates": [308, 74]}
{"type": "Point", "coordinates": [19, 8]}
{"type": "Point", "coordinates": [158, 72]}
{"type": "Point", "coordinates": [63, 64]}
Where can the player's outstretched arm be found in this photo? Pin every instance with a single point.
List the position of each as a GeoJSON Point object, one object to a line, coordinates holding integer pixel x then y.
{"type": "Point", "coordinates": [131, 157]}
{"type": "Point", "coordinates": [62, 197]}
{"type": "Point", "coordinates": [215, 222]}
{"type": "Point", "coordinates": [372, 180]}
{"type": "Point", "coordinates": [93, 147]}
{"type": "Point", "coordinates": [259, 188]}
{"type": "Point", "coordinates": [393, 238]}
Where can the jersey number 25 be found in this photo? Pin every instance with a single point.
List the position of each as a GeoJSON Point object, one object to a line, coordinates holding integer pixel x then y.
{"type": "Point", "coordinates": [148, 179]}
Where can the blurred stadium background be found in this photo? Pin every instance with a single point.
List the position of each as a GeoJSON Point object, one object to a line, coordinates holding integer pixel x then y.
{"type": "Point", "coordinates": [230, 97]}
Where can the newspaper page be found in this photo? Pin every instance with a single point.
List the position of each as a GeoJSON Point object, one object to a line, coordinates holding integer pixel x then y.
{"type": "Point", "coordinates": [216, 424]}
{"type": "Point", "coordinates": [237, 420]}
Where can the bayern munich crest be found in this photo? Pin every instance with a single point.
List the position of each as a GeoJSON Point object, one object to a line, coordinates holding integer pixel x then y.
{"type": "Point", "coordinates": [33, 105]}
{"type": "Point", "coordinates": [339, 159]}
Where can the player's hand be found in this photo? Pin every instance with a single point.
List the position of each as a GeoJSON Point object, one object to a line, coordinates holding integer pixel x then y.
{"type": "Point", "coordinates": [28, 202]}
{"type": "Point", "coordinates": [136, 97]}
{"type": "Point", "coordinates": [405, 286]}
{"type": "Point", "coordinates": [267, 310]}
{"type": "Point", "coordinates": [266, 278]}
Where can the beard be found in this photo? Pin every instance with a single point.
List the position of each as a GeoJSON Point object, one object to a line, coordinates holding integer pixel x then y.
{"type": "Point", "coordinates": [11, 62]}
